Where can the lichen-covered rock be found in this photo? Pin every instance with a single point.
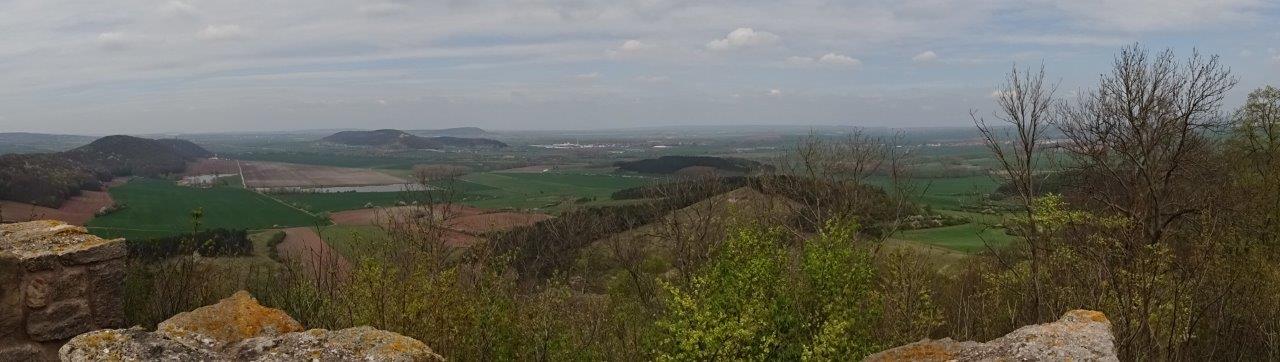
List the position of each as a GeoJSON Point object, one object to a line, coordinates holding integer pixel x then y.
{"type": "Point", "coordinates": [38, 241]}
{"type": "Point", "coordinates": [239, 329]}
{"type": "Point", "coordinates": [133, 344]}
{"type": "Point", "coordinates": [231, 320]}
{"type": "Point", "coordinates": [1080, 335]}
{"type": "Point", "coordinates": [348, 344]}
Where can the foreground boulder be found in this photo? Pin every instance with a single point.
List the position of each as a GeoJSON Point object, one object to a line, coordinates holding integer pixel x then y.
{"type": "Point", "coordinates": [56, 281]}
{"type": "Point", "coordinates": [1080, 335]}
{"type": "Point", "coordinates": [238, 328]}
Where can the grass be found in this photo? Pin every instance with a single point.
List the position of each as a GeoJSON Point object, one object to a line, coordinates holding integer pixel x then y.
{"type": "Point", "coordinates": [352, 241]}
{"type": "Point", "coordinates": [156, 208]}
{"type": "Point", "coordinates": [547, 191]}
{"type": "Point", "coordinates": [968, 238]}
{"type": "Point", "coordinates": [949, 196]}
{"type": "Point", "coordinates": [948, 193]}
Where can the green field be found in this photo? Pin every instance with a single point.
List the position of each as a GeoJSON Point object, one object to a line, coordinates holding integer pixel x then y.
{"type": "Point", "coordinates": [549, 191]}
{"type": "Point", "coordinates": [338, 201]}
{"type": "Point", "coordinates": [950, 196]}
{"type": "Point", "coordinates": [968, 238]}
{"type": "Point", "coordinates": [947, 193]}
{"type": "Point", "coordinates": [157, 208]}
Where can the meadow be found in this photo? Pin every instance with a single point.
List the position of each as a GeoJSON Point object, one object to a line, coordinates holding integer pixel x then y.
{"type": "Point", "coordinates": [338, 201]}
{"type": "Point", "coordinates": [953, 196]}
{"type": "Point", "coordinates": [156, 208]}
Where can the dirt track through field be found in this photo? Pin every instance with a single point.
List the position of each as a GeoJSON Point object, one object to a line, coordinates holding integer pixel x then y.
{"type": "Point", "coordinates": [274, 174]}
{"type": "Point", "coordinates": [317, 259]}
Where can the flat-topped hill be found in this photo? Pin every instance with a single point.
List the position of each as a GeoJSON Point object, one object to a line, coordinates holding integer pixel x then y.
{"type": "Point", "coordinates": [395, 138]}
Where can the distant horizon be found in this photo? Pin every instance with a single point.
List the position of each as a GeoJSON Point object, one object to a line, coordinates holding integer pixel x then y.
{"type": "Point", "coordinates": [762, 127]}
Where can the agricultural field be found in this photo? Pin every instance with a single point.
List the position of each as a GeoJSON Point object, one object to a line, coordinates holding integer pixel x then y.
{"type": "Point", "coordinates": [77, 210]}
{"type": "Point", "coordinates": [274, 174]}
{"type": "Point", "coordinates": [462, 191]}
{"type": "Point", "coordinates": [542, 191]}
{"type": "Point", "coordinates": [155, 208]}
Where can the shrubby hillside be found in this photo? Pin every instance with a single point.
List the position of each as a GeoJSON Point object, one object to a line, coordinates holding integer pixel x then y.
{"type": "Point", "coordinates": [671, 164]}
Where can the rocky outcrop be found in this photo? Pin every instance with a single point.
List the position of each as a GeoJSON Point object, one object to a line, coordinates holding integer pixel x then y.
{"type": "Point", "coordinates": [238, 328]}
{"type": "Point", "coordinates": [1080, 335]}
{"type": "Point", "coordinates": [56, 281]}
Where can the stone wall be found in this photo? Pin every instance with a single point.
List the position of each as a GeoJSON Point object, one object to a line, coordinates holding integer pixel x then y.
{"type": "Point", "coordinates": [57, 281]}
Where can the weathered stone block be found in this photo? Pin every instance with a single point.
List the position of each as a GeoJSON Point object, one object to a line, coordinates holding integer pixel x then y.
{"type": "Point", "coordinates": [21, 352]}
{"type": "Point", "coordinates": [72, 282]}
{"type": "Point", "coordinates": [113, 249]}
{"type": "Point", "coordinates": [11, 308]}
{"type": "Point", "coordinates": [36, 290]}
{"type": "Point", "coordinates": [60, 320]}
{"type": "Point", "coordinates": [105, 294]}
{"type": "Point", "coordinates": [47, 292]}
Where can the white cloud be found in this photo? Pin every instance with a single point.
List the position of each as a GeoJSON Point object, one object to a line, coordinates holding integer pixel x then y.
{"type": "Point", "coordinates": [114, 41]}
{"type": "Point", "coordinates": [927, 56]}
{"type": "Point", "coordinates": [829, 59]}
{"type": "Point", "coordinates": [382, 102]}
{"type": "Point", "coordinates": [178, 8]}
{"type": "Point", "coordinates": [744, 38]}
{"type": "Point", "coordinates": [839, 60]}
{"type": "Point", "coordinates": [221, 32]}
{"type": "Point", "coordinates": [775, 92]}
{"type": "Point", "coordinates": [630, 46]}
{"type": "Point", "coordinates": [634, 45]}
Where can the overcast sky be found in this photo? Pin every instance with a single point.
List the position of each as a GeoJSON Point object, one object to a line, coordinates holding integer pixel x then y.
{"type": "Point", "coordinates": [130, 66]}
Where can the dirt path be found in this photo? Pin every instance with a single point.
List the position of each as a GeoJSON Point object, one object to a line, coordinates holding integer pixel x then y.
{"type": "Point", "coordinates": [304, 246]}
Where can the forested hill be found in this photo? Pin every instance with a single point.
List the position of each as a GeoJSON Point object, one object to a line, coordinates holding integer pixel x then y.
{"type": "Point", "coordinates": [400, 139]}
{"type": "Point", "coordinates": [672, 164]}
{"type": "Point", "coordinates": [48, 179]}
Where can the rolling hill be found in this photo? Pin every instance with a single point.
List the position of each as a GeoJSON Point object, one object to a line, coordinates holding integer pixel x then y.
{"type": "Point", "coordinates": [48, 179]}
{"type": "Point", "coordinates": [393, 138]}
{"type": "Point", "coordinates": [667, 165]}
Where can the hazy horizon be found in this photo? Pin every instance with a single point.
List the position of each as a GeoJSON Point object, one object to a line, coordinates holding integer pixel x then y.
{"type": "Point", "coordinates": [190, 66]}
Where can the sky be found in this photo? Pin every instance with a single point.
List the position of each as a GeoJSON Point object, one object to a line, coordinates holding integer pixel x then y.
{"type": "Point", "coordinates": [133, 66]}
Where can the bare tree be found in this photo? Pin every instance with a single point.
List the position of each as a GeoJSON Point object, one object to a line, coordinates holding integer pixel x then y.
{"type": "Point", "coordinates": [1138, 141]}
{"type": "Point", "coordinates": [1026, 110]}
{"type": "Point", "coordinates": [1140, 133]}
